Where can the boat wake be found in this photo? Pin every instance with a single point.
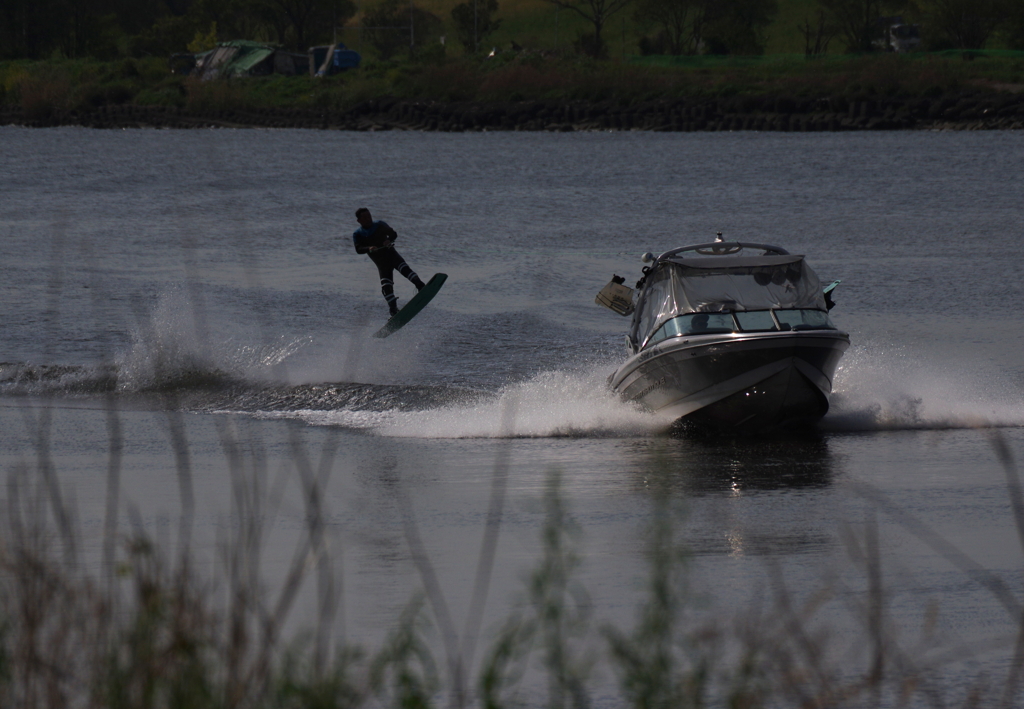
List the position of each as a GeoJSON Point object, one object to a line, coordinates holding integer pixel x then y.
{"type": "Point", "coordinates": [877, 389]}
{"type": "Point", "coordinates": [874, 392]}
{"type": "Point", "coordinates": [890, 391]}
{"type": "Point", "coordinates": [547, 405]}
{"type": "Point", "coordinates": [154, 365]}
{"type": "Point", "coordinates": [168, 361]}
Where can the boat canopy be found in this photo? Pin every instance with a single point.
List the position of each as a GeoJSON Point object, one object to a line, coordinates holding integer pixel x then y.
{"type": "Point", "coordinates": [680, 285]}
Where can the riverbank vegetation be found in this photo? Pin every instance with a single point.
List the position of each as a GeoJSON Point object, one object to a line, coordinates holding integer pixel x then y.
{"type": "Point", "coordinates": [51, 88]}
{"type": "Point", "coordinates": [68, 68]}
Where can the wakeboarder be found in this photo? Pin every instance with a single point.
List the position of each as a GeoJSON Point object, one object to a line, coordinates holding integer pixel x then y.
{"type": "Point", "coordinates": [376, 239]}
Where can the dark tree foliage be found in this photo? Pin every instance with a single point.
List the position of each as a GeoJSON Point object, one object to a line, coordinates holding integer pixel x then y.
{"type": "Point", "coordinates": [37, 29]}
{"type": "Point", "coordinates": [709, 26]}
{"type": "Point", "coordinates": [396, 26]}
{"type": "Point", "coordinates": [680, 25]}
{"type": "Point", "coordinates": [134, 16]}
{"type": "Point", "coordinates": [474, 22]}
{"type": "Point", "coordinates": [857, 21]}
{"type": "Point", "coordinates": [104, 29]}
{"type": "Point", "coordinates": [233, 19]}
{"type": "Point", "coordinates": [817, 36]}
{"type": "Point", "coordinates": [168, 35]}
{"type": "Point", "coordinates": [738, 26]}
{"type": "Point", "coordinates": [597, 12]}
{"type": "Point", "coordinates": [1015, 27]}
{"type": "Point", "coordinates": [964, 24]}
{"type": "Point", "coordinates": [297, 24]}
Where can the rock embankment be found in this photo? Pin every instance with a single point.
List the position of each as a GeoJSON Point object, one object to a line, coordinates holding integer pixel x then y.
{"type": "Point", "coordinates": [976, 111]}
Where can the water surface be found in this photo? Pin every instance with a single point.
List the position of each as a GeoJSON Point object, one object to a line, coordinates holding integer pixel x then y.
{"type": "Point", "coordinates": [212, 272]}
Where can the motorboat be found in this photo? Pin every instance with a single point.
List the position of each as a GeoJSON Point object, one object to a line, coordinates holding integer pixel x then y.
{"type": "Point", "coordinates": [728, 336]}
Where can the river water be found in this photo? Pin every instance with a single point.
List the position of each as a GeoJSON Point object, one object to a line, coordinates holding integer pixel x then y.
{"type": "Point", "coordinates": [212, 272]}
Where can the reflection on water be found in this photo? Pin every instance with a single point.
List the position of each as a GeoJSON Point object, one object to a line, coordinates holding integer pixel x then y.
{"type": "Point", "coordinates": [700, 466]}
{"type": "Point", "coordinates": [744, 497]}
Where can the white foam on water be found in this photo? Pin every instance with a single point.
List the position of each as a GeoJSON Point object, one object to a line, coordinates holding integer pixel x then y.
{"type": "Point", "coordinates": [894, 388]}
{"type": "Point", "coordinates": [549, 404]}
{"type": "Point", "coordinates": [364, 420]}
{"type": "Point", "coordinates": [356, 357]}
{"type": "Point", "coordinates": [877, 388]}
{"type": "Point", "coordinates": [173, 348]}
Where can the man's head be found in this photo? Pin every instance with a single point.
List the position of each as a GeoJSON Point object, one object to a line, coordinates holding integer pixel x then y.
{"type": "Point", "coordinates": [363, 217]}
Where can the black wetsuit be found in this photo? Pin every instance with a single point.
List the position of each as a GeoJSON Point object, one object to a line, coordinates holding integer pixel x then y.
{"type": "Point", "coordinates": [387, 260]}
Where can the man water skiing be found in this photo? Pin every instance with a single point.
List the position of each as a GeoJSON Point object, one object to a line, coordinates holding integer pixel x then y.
{"type": "Point", "coordinates": [376, 239]}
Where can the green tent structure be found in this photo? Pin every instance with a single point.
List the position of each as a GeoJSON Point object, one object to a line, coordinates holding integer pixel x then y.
{"type": "Point", "coordinates": [243, 57]}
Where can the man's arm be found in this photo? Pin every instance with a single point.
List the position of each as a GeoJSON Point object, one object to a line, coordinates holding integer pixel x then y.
{"type": "Point", "coordinates": [381, 236]}
{"type": "Point", "coordinates": [384, 236]}
{"type": "Point", "coordinates": [359, 240]}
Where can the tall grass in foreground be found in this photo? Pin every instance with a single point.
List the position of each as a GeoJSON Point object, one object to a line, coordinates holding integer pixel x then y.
{"type": "Point", "coordinates": [143, 629]}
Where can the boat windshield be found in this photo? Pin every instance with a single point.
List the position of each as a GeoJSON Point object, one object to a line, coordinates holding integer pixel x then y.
{"type": "Point", "coordinates": [719, 285]}
{"type": "Point", "coordinates": [756, 321]}
{"type": "Point", "coordinates": [696, 324]}
{"type": "Point", "coordinates": [805, 319]}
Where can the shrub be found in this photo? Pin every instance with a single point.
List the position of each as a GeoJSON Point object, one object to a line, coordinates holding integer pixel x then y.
{"type": "Point", "coordinates": [43, 96]}
{"type": "Point", "coordinates": [216, 95]}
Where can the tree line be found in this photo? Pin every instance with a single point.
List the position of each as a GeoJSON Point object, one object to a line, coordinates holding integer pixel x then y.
{"type": "Point", "coordinates": [106, 29]}
{"type": "Point", "coordinates": [687, 27]}
{"type": "Point", "coordinates": [945, 24]}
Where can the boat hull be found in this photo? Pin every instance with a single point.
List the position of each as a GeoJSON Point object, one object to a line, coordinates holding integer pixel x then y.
{"type": "Point", "coordinates": [737, 383]}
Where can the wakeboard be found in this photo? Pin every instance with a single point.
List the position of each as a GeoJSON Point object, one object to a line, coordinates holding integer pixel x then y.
{"type": "Point", "coordinates": [414, 306]}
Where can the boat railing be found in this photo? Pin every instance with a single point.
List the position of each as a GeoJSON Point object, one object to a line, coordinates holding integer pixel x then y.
{"type": "Point", "coordinates": [725, 248]}
{"type": "Point", "coordinates": [739, 322]}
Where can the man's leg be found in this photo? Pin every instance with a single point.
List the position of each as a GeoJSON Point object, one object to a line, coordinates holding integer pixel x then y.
{"type": "Point", "coordinates": [387, 285]}
{"type": "Point", "coordinates": [404, 269]}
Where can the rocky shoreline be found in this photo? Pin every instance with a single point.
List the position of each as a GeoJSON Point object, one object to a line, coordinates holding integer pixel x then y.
{"type": "Point", "coordinates": [984, 111]}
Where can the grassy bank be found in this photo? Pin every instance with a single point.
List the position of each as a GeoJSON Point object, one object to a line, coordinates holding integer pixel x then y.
{"type": "Point", "coordinates": [43, 89]}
